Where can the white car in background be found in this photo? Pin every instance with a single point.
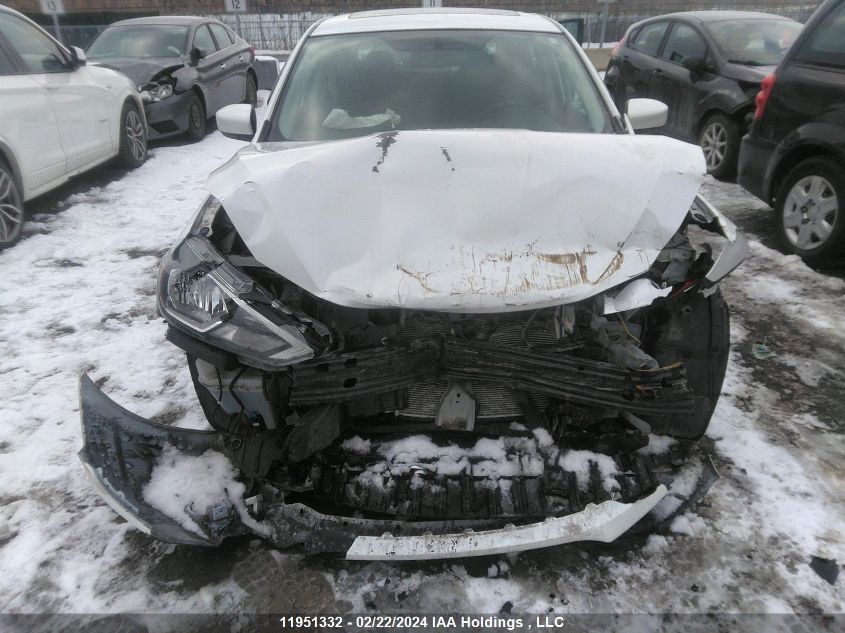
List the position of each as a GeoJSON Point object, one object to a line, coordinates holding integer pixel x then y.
{"type": "Point", "coordinates": [58, 117]}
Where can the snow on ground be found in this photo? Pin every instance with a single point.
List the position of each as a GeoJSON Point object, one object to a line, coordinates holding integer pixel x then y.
{"type": "Point", "coordinates": [78, 295]}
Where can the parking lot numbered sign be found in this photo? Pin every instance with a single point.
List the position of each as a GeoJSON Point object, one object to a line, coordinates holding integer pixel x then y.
{"type": "Point", "coordinates": [233, 6]}
{"type": "Point", "coordinates": [237, 7]}
{"type": "Point", "coordinates": [55, 8]}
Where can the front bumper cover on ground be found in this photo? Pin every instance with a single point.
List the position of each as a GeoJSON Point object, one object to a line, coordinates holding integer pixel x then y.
{"type": "Point", "coordinates": [121, 449]}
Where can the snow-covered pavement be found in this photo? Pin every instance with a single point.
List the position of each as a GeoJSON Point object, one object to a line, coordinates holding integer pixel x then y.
{"type": "Point", "coordinates": [78, 294]}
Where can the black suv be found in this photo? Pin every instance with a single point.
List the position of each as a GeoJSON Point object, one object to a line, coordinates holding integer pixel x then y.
{"type": "Point", "coordinates": [794, 155]}
{"type": "Point", "coordinates": [707, 67]}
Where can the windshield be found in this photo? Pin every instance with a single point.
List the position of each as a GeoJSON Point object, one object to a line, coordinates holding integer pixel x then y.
{"type": "Point", "coordinates": [142, 41]}
{"type": "Point", "coordinates": [344, 86]}
{"type": "Point", "coordinates": [754, 42]}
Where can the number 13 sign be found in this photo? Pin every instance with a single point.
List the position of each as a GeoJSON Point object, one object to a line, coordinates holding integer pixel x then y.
{"type": "Point", "coordinates": [53, 7]}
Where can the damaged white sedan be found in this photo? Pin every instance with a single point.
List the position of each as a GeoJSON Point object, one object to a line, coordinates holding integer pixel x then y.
{"type": "Point", "coordinates": [439, 306]}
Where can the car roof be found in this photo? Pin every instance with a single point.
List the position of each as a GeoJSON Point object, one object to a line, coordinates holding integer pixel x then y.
{"type": "Point", "coordinates": [167, 20]}
{"type": "Point", "coordinates": [716, 16]}
{"type": "Point", "coordinates": [414, 19]}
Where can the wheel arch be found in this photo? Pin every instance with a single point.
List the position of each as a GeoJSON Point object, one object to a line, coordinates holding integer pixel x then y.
{"type": "Point", "coordinates": [737, 114]}
{"type": "Point", "coordinates": [197, 89]}
{"type": "Point", "coordinates": [8, 157]}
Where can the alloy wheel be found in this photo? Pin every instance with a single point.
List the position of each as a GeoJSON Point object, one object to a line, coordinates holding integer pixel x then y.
{"type": "Point", "coordinates": [809, 212]}
{"type": "Point", "coordinates": [714, 144]}
{"type": "Point", "coordinates": [251, 91]}
{"type": "Point", "coordinates": [135, 135]}
{"type": "Point", "coordinates": [195, 114]}
{"type": "Point", "coordinates": [11, 209]}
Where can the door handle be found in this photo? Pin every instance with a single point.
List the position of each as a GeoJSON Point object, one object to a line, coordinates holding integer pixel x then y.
{"type": "Point", "coordinates": [240, 58]}
{"type": "Point", "coordinates": [222, 65]}
{"type": "Point", "coordinates": [657, 72]}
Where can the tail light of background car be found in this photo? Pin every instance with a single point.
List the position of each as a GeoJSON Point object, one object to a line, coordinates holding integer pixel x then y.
{"type": "Point", "coordinates": [763, 96]}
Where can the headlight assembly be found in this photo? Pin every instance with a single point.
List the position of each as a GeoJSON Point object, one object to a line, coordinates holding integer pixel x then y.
{"type": "Point", "coordinates": [160, 91]}
{"type": "Point", "coordinates": [200, 292]}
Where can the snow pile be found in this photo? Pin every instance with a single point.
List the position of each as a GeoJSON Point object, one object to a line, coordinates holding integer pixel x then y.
{"type": "Point", "coordinates": [356, 446]}
{"type": "Point", "coordinates": [491, 458]}
{"type": "Point", "coordinates": [186, 487]}
{"type": "Point", "coordinates": [688, 523]}
{"type": "Point", "coordinates": [495, 459]}
{"type": "Point", "coordinates": [580, 462]}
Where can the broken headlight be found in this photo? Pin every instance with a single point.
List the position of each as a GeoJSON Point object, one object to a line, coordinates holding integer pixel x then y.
{"type": "Point", "coordinates": [157, 91]}
{"type": "Point", "coordinates": [201, 292]}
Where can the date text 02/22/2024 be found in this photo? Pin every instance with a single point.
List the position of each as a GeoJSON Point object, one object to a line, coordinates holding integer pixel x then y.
{"type": "Point", "coordinates": [404, 622]}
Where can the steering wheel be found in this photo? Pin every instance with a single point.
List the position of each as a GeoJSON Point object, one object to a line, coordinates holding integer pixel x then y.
{"type": "Point", "coordinates": [508, 104]}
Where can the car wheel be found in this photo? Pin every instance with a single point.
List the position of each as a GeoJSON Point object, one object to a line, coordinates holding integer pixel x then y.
{"type": "Point", "coordinates": [810, 210]}
{"type": "Point", "coordinates": [196, 119]}
{"type": "Point", "coordinates": [11, 208]}
{"type": "Point", "coordinates": [133, 137]}
{"type": "Point", "coordinates": [251, 90]}
{"type": "Point", "coordinates": [719, 140]}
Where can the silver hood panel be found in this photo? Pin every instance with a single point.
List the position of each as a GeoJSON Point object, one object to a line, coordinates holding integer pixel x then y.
{"type": "Point", "coordinates": [460, 221]}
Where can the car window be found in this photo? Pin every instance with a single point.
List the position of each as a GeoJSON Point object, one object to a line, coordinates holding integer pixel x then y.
{"type": "Point", "coordinates": [344, 86]}
{"type": "Point", "coordinates": [754, 42]}
{"type": "Point", "coordinates": [221, 35]}
{"type": "Point", "coordinates": [203, 40]}
{"type": "Point", "coordinates": [39, 53]}
{"type": "Point", "coordinates": [684, 43]}
{"type": "Point", "coordinates": [826, 45]}
{"type": "Point", "coordinates": [140, 41]}
{"type": "Point", "coordinates": [648, 39]}
{"type": "Point", "coordinates": [6, 66]}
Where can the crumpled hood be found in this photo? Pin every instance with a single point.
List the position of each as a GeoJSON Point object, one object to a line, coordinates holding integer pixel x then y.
{"type": "Point", "coordinates": [141, 71]}
{"type": "Point", "coordinates": [463, 220]}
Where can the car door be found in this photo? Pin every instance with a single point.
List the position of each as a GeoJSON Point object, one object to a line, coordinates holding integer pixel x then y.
{"type": "Point", "coordinates": [27, 122]}
{"type": "Point", "coordinates": [810, 87]}
{"type": "Point", "coordinates": [79, 101]}
{"type": "Point", "coordinates": [234, 80]}
{"type": "Point", "coordinates": [211, 69]}
{"type": "Point", "coordinates": [674, 84]}
{"type": "Point", "coordinates": [641, 59]}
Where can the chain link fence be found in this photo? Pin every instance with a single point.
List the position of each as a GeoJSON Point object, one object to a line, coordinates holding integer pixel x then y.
{"type": "Point", "coordinates": [281, 31]}
{"type": "Point", "coordinates": [276, 25]}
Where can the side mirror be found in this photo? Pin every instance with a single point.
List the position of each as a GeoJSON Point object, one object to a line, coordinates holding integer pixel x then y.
{"type": "Point", "coordinates": [77, 57]}
{"type": "Point", "coordinates": [197, 54]}
{"type": "Point", "coordinates": [237, 121]}
{"type": "Point", "coordinates": [693, 64]}
{"type": "Point", "coordinates": [647, 114]}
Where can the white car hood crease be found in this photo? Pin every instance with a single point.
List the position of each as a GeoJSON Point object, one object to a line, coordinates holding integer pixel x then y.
{"type": "Point", "coordinates": [460, 220]}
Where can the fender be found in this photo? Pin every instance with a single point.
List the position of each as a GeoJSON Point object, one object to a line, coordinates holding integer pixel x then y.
{"type": "Point", "coordinates": [817, 137]}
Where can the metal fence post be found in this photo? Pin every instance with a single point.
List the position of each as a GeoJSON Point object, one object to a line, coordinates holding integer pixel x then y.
{"type": "Point", "coordinates": [603, 23]}
{"type": "Point", "coordinates": [261, 29]}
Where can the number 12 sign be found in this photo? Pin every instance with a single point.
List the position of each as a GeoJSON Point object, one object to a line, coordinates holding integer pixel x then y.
{"type": "Point", "coordinates": [235, 6]}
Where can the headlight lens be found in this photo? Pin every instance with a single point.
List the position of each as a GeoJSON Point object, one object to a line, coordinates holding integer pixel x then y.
{"type": "Point", "coordinates": [201, 291]}
{"type": "Point", "coordinates": [160, 91]}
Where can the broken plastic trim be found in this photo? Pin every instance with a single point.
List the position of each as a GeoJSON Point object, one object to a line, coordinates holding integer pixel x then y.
{"type": "Point", "coordinates": [709, 217]}
{"type": "Point", "coordinates": [121, 450]}
{"type": "Point", "coordinates": [604, 522]}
